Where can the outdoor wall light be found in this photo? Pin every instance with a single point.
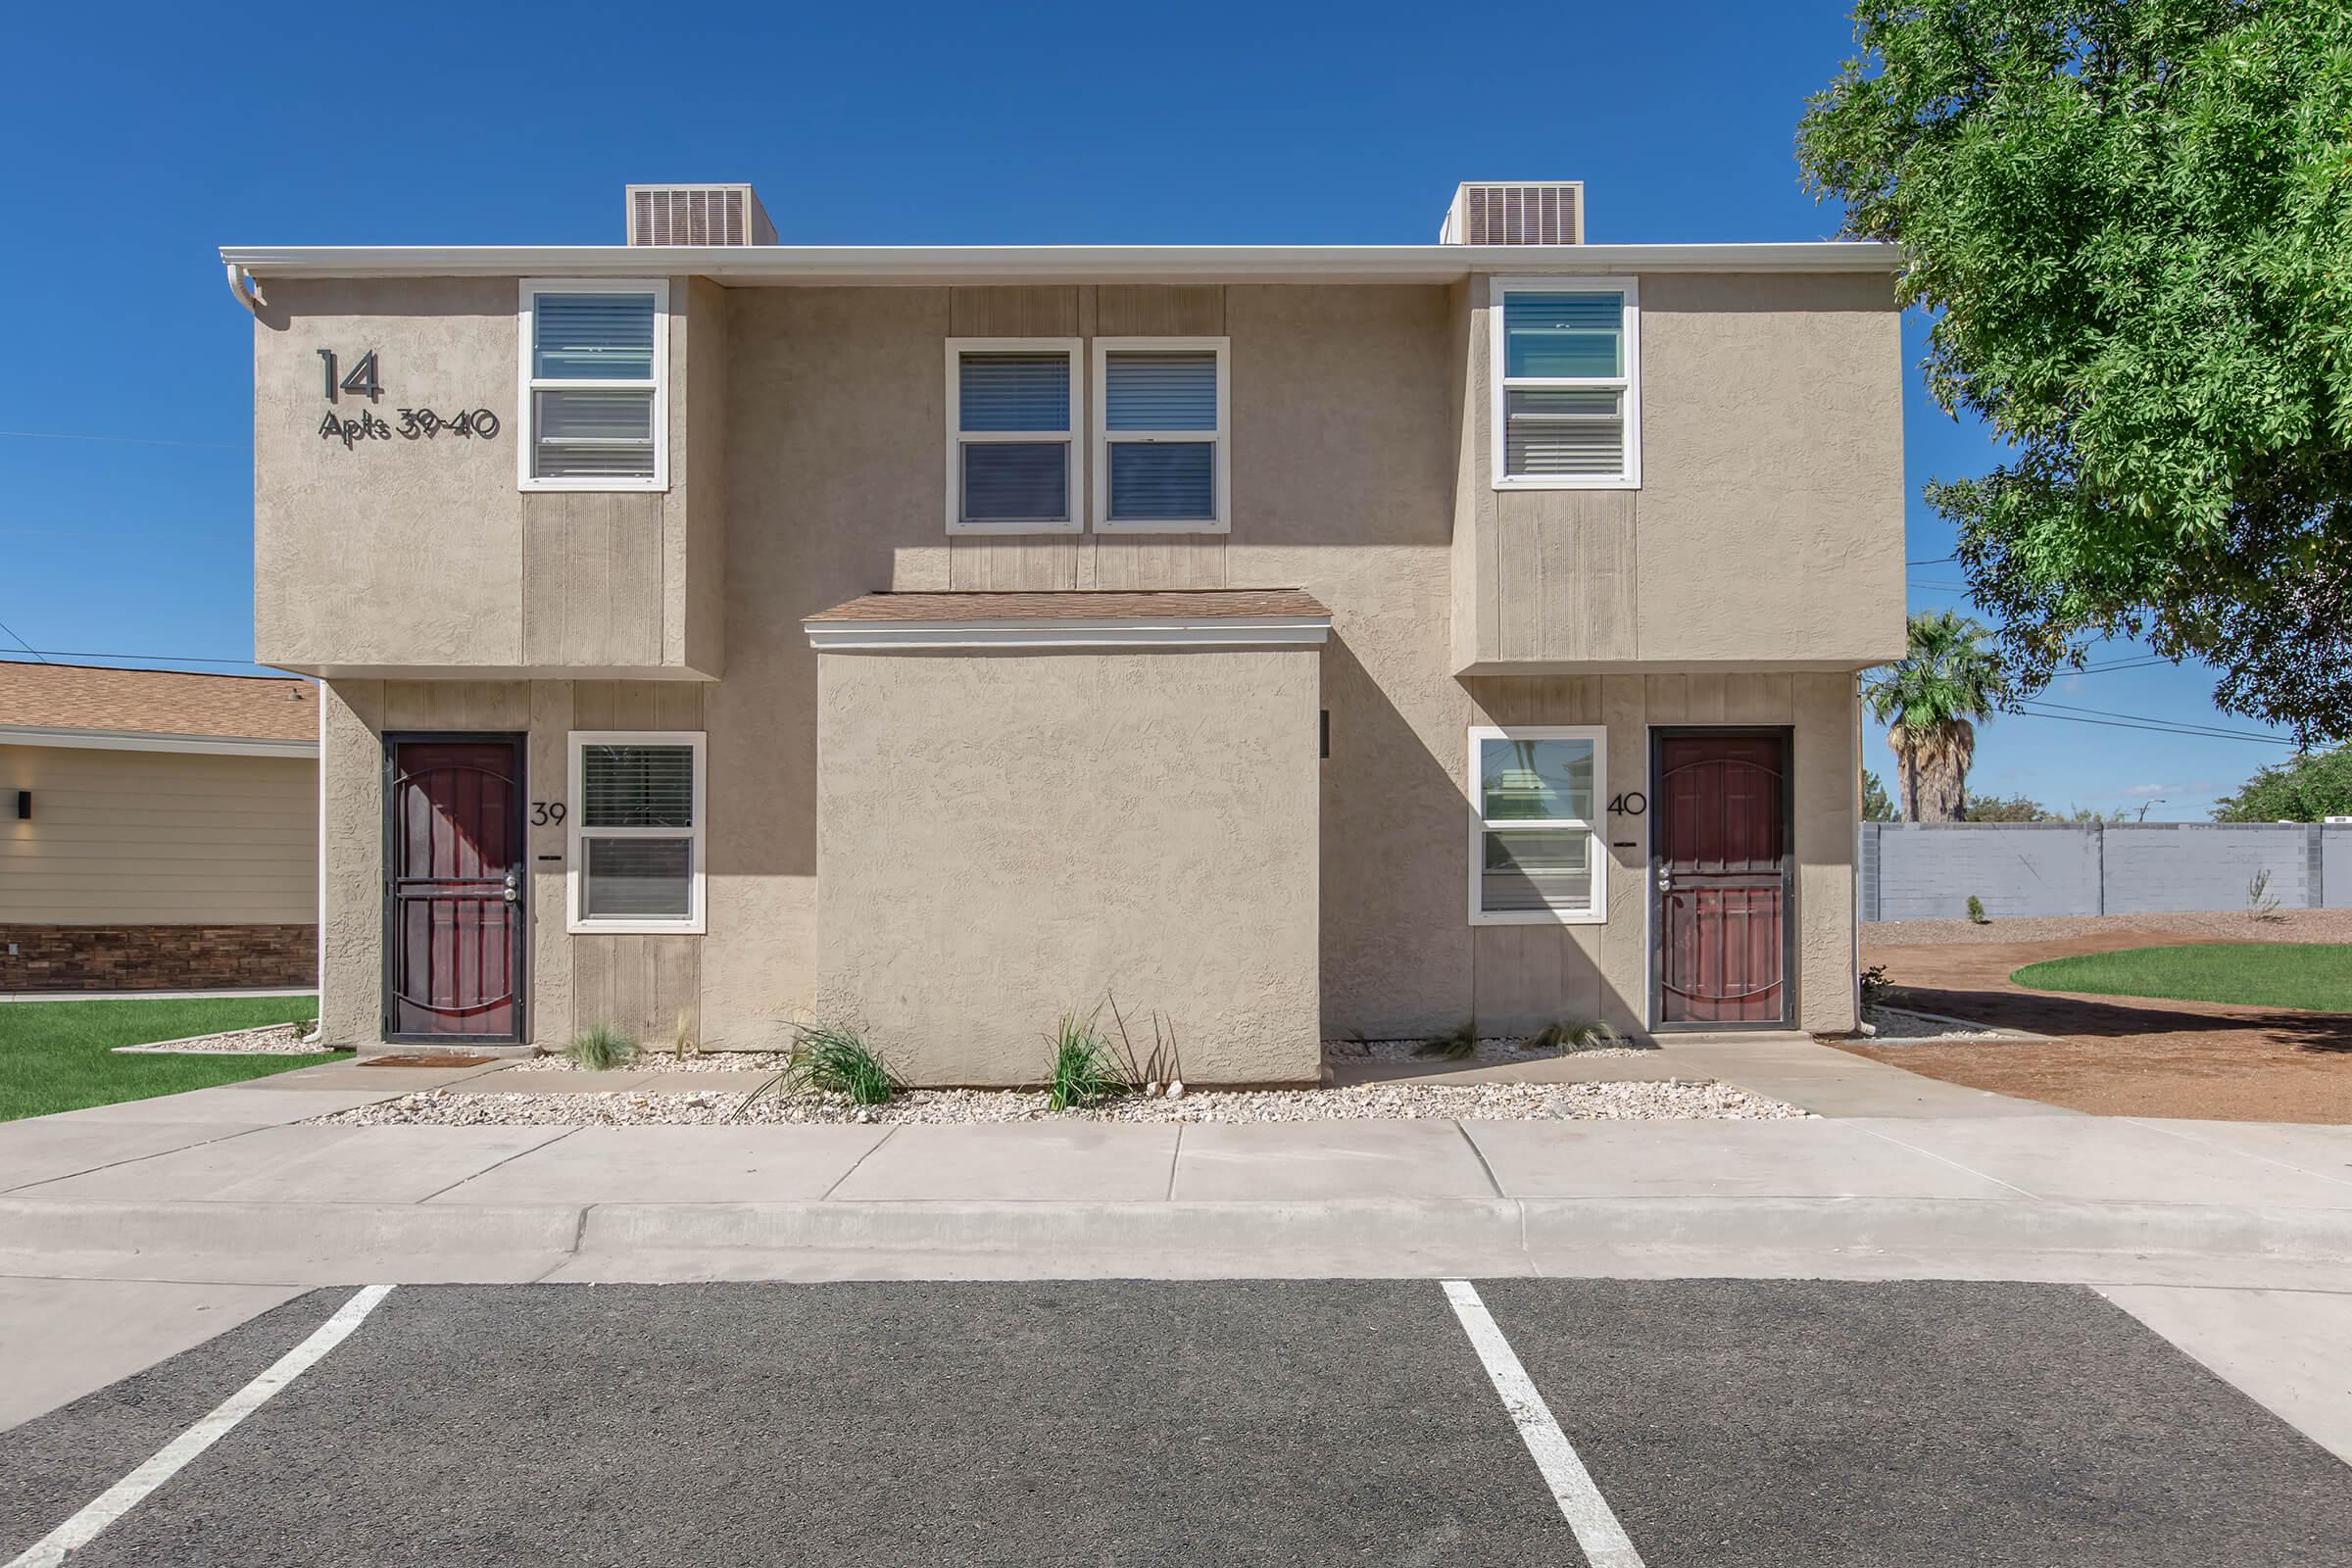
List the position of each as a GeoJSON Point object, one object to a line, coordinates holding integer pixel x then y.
{"type": "Point", "coordinates": [24, 806]}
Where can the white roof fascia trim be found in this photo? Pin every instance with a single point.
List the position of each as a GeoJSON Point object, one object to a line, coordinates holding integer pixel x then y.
{"type": "Point", "coordinates": [132, 740]}
{"type": "Point", "coordinates": [1233, 631]}
{"type": "Point", "coordinates": [926, 264]}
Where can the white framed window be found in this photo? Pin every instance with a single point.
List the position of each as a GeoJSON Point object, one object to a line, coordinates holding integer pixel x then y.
{"type": "Point", "coordinates": [1567, 375]}
{"type": "Point", "coordinates": [1537, 855]}
{"type": "Point", "coordinates": [1163, 459]}
{"type": "Point", "coordinates": [594, 389]}
{"type": "Point", "coordinates": [1012, 435]}
{"type": "Point", "coordinates": [635, 823]}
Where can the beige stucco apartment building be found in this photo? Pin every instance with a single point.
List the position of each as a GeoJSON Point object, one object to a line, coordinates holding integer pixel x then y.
{"type": "Point", "coordinates": [1291, 641]}
{"type": "Point", "coordinates": [158, 830]}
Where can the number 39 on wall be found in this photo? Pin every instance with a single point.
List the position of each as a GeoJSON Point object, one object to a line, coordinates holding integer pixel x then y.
{"type": "Point", "coordinates": [547, 813]}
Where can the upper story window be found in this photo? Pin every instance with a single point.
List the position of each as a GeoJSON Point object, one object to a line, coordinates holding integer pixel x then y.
{"type": "Point", "coordinates": [595, 372]}
{"type": "Point", "coordinates": [1012, 421]}
{"type": "Point", "coordinates": [636, 830]}
{"type": "Point", "coordinates": [1567, 384]}
{"type": "Point", "coordinates": [1535, 837]}
{"type": "Point", "coordinates": [1161, 461]}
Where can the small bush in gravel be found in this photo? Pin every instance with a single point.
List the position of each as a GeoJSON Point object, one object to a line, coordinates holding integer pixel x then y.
{"type": "Point", "coordinates": [1975, 911]}
{"type": "Point", "coordinates": [1576, 1034]}
{"type": "Point", "coordinates": [833, 1058]}
{"type": "Point", "coordinates": [1876, 988]}
{"type": "Point", "coordinates": [1454, 1047]}
{"type": "Point", "coordinates": [600, 1048]}
{"type": "Point", "coordinates": [1086, 1069]}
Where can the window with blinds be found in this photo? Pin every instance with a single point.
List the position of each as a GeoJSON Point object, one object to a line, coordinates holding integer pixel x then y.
{"type": "Point", "coordinates": [636, 828]}
{"type": "Point", "coordinates": [594, 366]}
{"type": "Point", "coordinates": [1160, 454]}
{"type": "Point", "coordinates": [1013, 408]}
{"type": "Point", "coordinates": [1536, 854]}
{"type": "Point", "coordinates": [1567, 387]}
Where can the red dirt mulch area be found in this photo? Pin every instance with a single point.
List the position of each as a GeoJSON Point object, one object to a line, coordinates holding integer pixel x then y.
{"type": "Point", "coordinates": [2115, 1056]}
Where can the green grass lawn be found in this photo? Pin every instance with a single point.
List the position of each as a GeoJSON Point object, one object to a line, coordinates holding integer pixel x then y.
{"type": "Point", "coordinates": [58, 1055]}
{"type": "Point", "coordinates": [2313, 976]}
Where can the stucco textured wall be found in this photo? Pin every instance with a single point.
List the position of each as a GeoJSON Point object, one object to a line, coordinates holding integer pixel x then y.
{"type": "Point", "coordinates": [362, 566]}
{"type": "Point", "coordinates": [1767, 529]}
{"type": "Point", "coordinates": [1927, 871]}
{"type": "Point", "coordinates": [1352, 422]}
{"type": "Point", "coordinates": [1006, 837]}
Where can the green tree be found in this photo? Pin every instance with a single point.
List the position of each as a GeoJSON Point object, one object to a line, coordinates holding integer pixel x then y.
{"type": "Point", "coordinates": [1875, 805]}
{"type": "Point", "coordinates": [2131, 223]}
{"type": "Point", "coordinates": [1930, 698]}
{"type": "Point", "coordinates": [2008, 808]}
{"type": "Point", "coordinates": [2313, 786]}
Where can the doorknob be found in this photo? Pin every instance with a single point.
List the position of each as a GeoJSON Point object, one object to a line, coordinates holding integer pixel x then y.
{"type": "Point", "coordinates": [1665, 880]}
{"type": "Point", "coordinates": [513, 890]}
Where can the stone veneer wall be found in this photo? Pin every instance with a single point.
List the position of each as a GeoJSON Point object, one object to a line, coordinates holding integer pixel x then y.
{"type": "Point", "coordinates": [157, 957]}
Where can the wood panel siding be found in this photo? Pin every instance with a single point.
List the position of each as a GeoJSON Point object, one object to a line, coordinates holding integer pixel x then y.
{"type": "Point", "coordinates": [593, 578]}
{"type": "Point", "coordinates": [159, 838]}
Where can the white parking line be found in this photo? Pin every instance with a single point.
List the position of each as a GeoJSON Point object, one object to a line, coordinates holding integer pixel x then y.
{"type": "Point", "coordinates": [127, 1494]}
{"type": "Point", "coordinates": [1603, 1540]}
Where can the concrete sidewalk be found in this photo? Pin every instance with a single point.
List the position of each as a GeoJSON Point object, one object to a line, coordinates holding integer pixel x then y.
{"type": "Point", "coordinates": [230, 1185]}
{"type": "Point", "coordinates": [132, 1231]}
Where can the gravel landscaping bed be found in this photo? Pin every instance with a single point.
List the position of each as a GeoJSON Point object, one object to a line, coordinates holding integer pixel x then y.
{"type": "Point", "coordinates": [768, 1061]}
{"type": "Point", "coordinates": [1499, 1049]}
{"type": "Point", "coordinates": [274, 1040]}
{"type": "Point", "coordinates": [1892, 1025]}
{"type": "Point", "coordinates": [2214, 925]}
{"type": "Point", "coordinates": [1674, 1100]}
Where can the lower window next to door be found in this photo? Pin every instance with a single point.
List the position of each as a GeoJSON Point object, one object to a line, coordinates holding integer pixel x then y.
{"type": "Point", "coordinates": [1535, 855]}
{"type": "Point", "coordinates": [636, 828]}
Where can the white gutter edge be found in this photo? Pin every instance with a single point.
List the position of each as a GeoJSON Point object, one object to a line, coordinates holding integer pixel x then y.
{"type": "Point", "coordinates": [132, 740]}
{"type": "Point", "coordinates": [917, 263]}
{"type": "Point", "coordinates": [1236, 631]}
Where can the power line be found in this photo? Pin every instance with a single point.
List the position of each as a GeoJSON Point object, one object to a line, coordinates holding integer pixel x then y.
{"type": "Point", "coordinates": [2149, 718]}
{"type": "Point", "coordinates": [1936, 561]}
{"type": "Point", "coordinates": [2158, 729]}
{"type": "Point", "coordinates": [167, 659]}
{"type": "Point", "coordinates": [124, 440]}
{"type": "Point", "coordinates": [22, 643]}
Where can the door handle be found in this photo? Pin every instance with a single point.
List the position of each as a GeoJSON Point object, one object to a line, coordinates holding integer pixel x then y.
{"type": "Point", "coordinates": [513, 890]}
{"type": "Point", "coordinates": [1665, 880]}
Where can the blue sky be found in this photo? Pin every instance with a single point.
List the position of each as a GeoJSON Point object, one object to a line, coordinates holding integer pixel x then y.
{"type": "Point", "coordinates": [148, 136]}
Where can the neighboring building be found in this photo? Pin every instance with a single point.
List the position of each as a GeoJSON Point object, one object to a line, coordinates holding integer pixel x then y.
{"type": "Point", "coordinates": [158, 831]}
{"type": "Point", "coordinates": [1296, 641]}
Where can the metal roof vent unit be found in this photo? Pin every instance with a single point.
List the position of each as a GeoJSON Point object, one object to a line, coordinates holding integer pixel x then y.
{"type": "Point", "coordinates": [1495, 212]}
{"type": "Point", "coordinates": [698, 215]}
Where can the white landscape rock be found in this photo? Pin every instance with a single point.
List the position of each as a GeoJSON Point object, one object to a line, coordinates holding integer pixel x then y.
{"type": "Point", "coordinates": [1671, 1101]}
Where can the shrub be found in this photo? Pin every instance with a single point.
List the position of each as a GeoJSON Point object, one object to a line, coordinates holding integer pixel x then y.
{"type": "Point", "coordinates": [1576, 1034]}
{"type": "Point", "coordinates": [1161, 1066]}
{"type": "Point", "coordinates": [1975, 911]}
{"type": "Point", "coordinates": [600, 1048]}
{"type": "Point", "coordinates": [1876, 988]}
{"type": "Point", "coordinates": [832, 1058]}
{"type": "Point", "coordinates": [1086, 1069]}
{"type": "Point", "coordinates": [1460, 1043]}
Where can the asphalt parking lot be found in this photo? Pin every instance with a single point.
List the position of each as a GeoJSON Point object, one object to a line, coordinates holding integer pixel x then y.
{"type": "Point", "coordinates": [1721, 1422]}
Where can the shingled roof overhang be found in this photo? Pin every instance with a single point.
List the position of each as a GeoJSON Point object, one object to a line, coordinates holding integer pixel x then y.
{"type": "Point", "coordinates": [1206, 617]}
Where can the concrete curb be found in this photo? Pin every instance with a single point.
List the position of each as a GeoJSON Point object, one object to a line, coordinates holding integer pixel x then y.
{"type": "Point", "coordinates": [1856, 1237]}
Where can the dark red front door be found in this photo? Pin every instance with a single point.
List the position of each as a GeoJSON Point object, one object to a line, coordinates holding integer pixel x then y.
{"type": "Point", "coordinates": [454, 920]}
{"type": "Point", "coordinates": [1722, 870]}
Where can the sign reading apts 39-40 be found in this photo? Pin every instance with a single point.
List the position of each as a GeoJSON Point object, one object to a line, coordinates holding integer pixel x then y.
{"type": "Point", "coordinates": [364, 379]}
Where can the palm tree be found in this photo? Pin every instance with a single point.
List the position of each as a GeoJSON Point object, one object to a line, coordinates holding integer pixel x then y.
{"type": "Point", "coordinates": [1930, 702]}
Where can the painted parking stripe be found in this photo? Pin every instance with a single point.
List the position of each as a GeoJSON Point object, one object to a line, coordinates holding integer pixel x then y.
{"type": "Point", "coordinates": [1603, 1540]}
{"type": "Point", "coordinates": [127, 1492]}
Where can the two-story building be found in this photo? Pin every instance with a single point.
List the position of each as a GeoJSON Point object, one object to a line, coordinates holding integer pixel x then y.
{"type": "Point", "coordinates": [1295, 641]}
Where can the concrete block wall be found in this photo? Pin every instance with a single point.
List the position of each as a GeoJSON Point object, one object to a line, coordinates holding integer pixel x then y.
{"type": "Point", "coordinates": [1927, 870]}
